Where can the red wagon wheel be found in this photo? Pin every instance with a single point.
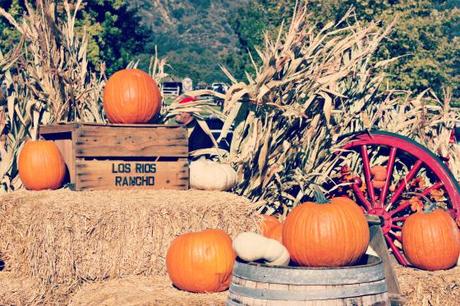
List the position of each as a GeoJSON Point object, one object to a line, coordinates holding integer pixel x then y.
{"type": "Point", "coordinates": [390, 201]}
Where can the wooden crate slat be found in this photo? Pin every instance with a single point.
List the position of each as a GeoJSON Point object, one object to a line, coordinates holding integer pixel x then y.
{"type": "Point", "coordinates": [145, 125]}
{"type": "Point", "coordinates": [93, 154]}
{"type": "Point", "coordinates": [105, 141]}
{"type": "Point", "coordinates": [58, 128]}
{"type": "Point", "coordinates": [116, 174]}
{"type": "Point", "coordinates": [66, 148]}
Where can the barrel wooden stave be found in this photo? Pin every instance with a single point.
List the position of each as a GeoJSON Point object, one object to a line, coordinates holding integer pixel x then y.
{"type": "Point", "coordinates": [317, 286]}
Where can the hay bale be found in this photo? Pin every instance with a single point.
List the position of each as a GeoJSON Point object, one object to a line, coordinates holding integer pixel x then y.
{"type": "Point", "coordinates": [141, 291]}
{"type": "Point", "coordinates": [422, 288]}
{"type": "Point", "coordinates": [71, 237]}
{"type": "Point", "coordinates": [19, 290]}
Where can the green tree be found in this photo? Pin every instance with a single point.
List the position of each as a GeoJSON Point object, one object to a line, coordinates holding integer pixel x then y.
{"type": "Point", "coordinates": [114, 30]}
{"type": "Point", "coordinates": [425, 38]}
{"type": "Point", "coordinates": [8, 35]}
{"type": "Point", "coordinates": [116, 33]}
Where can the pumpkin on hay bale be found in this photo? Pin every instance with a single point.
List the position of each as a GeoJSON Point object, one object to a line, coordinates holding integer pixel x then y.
{"type": "Point", "coordinates": [41, 165]}
{"type": "Point", "coordinates": [201, 261]}
{"type": "Point", "coordinates": [211, 175]}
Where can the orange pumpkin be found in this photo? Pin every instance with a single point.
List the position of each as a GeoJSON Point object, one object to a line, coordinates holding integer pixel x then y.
{"type": "Point", "coordinates": [431, 240]}
{"type": "Point", "coordinates": [272, 228]}
{"type": "Point", "coordinates": [41, 165]}
{"type": "Point", "coordinates": [267, 224]}
{"type": "Point", "coordinates": [326, 234]}
{"type": "Point", "coordinates": [276, 232]}
{"type": "Point", "coordinates": [201, 261]}
{"type": "Point", "coordinates": [378, 184]}
{"type": "Point", "coordinates": [131, 96]}
{"type": "Point", "coordinates": [379, 173]}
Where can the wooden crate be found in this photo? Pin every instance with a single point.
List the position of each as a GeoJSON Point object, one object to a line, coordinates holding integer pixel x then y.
{"type": "Point", "coordinates": [115, 156]}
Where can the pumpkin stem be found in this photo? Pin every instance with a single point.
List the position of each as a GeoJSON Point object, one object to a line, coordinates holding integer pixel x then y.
{"type": "Point", "coordinates": [319, 195]}
{"type": "Point", "coordinates": [431, 205]}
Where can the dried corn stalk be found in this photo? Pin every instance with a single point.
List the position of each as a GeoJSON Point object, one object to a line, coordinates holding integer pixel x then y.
{"type": "Point", "coordinates": [312, 87]}
{"type": "Point", "coordinates": [46, 79]}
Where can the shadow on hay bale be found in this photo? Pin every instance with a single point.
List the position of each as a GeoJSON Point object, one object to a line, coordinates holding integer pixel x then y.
{"type": "Point", "coordinates": [141, 291]}
{"type": "Point", "coordinates": [63, 237]}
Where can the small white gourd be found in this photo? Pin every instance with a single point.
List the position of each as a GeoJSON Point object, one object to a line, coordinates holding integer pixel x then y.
{"type": "Point", "coordinates": [251, 247]}
{"type": "Point", "coordinates": [210, 175]}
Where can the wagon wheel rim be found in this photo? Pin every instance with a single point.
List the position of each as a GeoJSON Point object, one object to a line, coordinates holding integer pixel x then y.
{"type": "Point", "coordinates": [389, 205]}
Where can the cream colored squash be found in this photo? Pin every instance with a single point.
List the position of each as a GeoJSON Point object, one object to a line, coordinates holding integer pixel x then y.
{"type": "Point", "coordinates": [251, 247]}
{"type": "Point", "coordinates": [210, 175]}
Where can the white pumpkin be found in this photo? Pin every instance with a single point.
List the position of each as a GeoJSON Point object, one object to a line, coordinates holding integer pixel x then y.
{"type": "Point", "coordinates": [251, 247]}
{"type": "Point", "coordinates": [210, 175]}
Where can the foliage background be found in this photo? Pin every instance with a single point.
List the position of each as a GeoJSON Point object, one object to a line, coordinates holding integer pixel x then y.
{"type": "Point", "coordinates": [198, 36]}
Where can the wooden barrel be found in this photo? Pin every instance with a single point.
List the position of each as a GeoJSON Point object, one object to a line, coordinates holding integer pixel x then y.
{"type": "Point", "coordinates": [257, 284]}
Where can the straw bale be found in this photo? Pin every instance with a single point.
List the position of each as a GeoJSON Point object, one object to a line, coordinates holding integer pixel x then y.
{"type": "Point", "coordinates": [16, 290]}
{"type": "Point", "coordinates": [144, 291]}
{"type": "Point", "coordinates": [422, 288]}
{"type": "Point", "coordinates": [72, 237]}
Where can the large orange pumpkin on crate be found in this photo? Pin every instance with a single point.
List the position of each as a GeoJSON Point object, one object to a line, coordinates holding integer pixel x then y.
{"type": "Point", "coordinates": [131, 96]}
{"type": "Point", "coordinates": [431, 240]}
{"type": "Point", "coordinates": [41, 165]}
{"type": "Point", "coordinates": [326, 233]}
{"type": "Point", "coordinates": [201, 261]}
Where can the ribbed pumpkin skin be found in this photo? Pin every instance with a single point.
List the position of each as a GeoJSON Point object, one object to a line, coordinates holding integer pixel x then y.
{"type": "Point", "coordinates": [431, 241]}
{"type": "Point", "coordinates": [201, 262]}
{"type": "Point", "coordinates": [326, 235]}
{"type": "Point", "coordinates": [131, 96]}
{"type": "Point", "coordinates": [41, 165]}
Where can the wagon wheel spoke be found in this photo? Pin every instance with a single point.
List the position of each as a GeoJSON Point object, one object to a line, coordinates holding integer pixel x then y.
{"type": "Point", "coordinates": [360, 195]}
{"type": "Point", "coordinates": [397, 237]}
{"type": "Point", "coordinates": [401, 207]}
{"type": "Point", "coordinates": [403, 183]}
{"type": "Point", "coordinates": [436, 186]}
{"type": "Point", "coordinates": [390, 166]}
{"type": "Point", "coordinates": [396, 252]}
{"type": "Point", "coordinates": [367, 174]}
{"type": "Point", "coordinates": [400, 219]}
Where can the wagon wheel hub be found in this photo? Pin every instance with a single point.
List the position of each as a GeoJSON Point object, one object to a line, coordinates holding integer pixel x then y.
{"type": "Point", "coordinates": [385, 218]}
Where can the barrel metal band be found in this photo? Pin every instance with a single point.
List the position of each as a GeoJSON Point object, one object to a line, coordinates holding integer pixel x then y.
{"type": "Point", "coordinates": [307, 295]}
{"type": "Point", "coordinates": [309, 276]}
